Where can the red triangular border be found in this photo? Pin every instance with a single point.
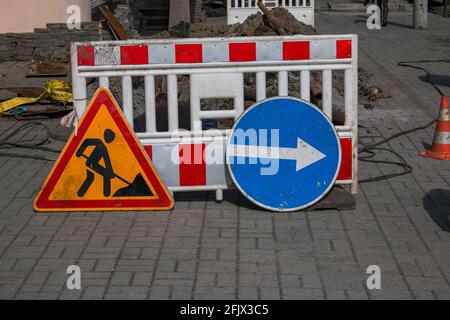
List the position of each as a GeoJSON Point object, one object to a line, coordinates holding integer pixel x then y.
{"type": "Point", "coordinates": [164, 200]}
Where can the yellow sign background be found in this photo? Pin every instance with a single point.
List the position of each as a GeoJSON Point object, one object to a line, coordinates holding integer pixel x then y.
{"type": "Point", "coordinates": [122, 159]}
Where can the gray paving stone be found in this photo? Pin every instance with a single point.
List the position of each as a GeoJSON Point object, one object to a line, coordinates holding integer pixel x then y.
{"type": "Point", "coordinates": [25, 264]}
{"type": "Point", "coordinates": [181, 293]}
{"type": "Point", "coordinates": [37, 278]}
{"type": "Point", "coordinates": [37, 296]}
{"type": "Point", "coordinates": [425, 283]}
{"type": "Point", "coordinates": [357, 294]}
{"type": "Point", "coordinates": [142, 279]}
{"type": "Point", "coordinates": [226, 280]}
{"type": "Point", "coordinates": [424, 295]}
{"type": "Point", "coordinates": [93, 293]}
{"type": "Point", "coordinates": [71, 294]}
{"type": "Point", "coordinates": [248, 293]}
{"type": "Point", "coordinates": [30, 288]}
{"type": "Point", "coordinates": [214, 293]}
{"type": "Point", "coordinates": [126, 293]}
{"type": "Point", "coordinates": [105, 265]}
{"type": "Point", "coordinates": [442, 294]}
{"type": "Point", "coordinates": [263, 280]}
{"type": "Point", "coordinates": [52, 289]}
{"type": "Point", "coordinates": [302, 294]}
{"type": "Point", "coordinates": [270, 293]}
{"type": "Point", "coordinates": [311, 281]}
{"type": "Point", "coordinates": [291, 281]}
{"type": "Point", "coordinates": [95, 278]}
{"type": "Point", "coordinates": [7, 264]}
{"type": "Point", "coordinates": [121, 278]}
{"type": "Point", "coordinates": [160, 293]}
{"type": "Point", "coordinates": [336, 294]}
{"type": "Point", "coordinates": [8, 291]}
{"type": "Point", "coordinates": [207, 279]}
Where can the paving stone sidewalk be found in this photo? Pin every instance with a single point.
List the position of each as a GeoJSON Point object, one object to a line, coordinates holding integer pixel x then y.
{"type": "Point", "coordinates": [232, 250]}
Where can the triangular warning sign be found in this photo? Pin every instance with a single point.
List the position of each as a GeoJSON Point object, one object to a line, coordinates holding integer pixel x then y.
{"type": "Point", "coordinates": [103, 167]}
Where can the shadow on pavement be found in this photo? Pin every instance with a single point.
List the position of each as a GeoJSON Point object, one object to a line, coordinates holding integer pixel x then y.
{"type": "Point", "coordinates": [407, 26]}
{"type": "Point", "coordinates": [232, 196]}
{"type": "Point", "coordinates": [337, 199]}
{"type": "Point", "coordinates": [426, 145]}
{"type": "Point", "coordinates": [360, 19]}
{"type": "Point", "coordinates": [363, 19]}
{"type": "Point", "coordinates": [437, 204]}
{"type": "Point", "coordinates": [437, 79]}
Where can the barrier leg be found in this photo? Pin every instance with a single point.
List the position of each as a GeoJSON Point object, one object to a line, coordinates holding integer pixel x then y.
{"type": "Point", "coordinates": [354, 114]}
{"type": "Point", "coordinates": [219, 195]}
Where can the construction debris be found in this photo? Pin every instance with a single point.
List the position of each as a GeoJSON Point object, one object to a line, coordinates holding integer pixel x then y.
{"type": "Point", "coordinates": [31, 92]}
{"type": "Point", "coordinates": [254, 25]}
{"type": "Point", "coordinates": [368, 91]}
{"type": "Point", "coordinates": [114, 24]}
{"type": "Point", "coordinates": [39, 68]}
{"type": "Point", "coordinates": [278, 24]}
{"type": "Point", "coordinates": [126, 19]}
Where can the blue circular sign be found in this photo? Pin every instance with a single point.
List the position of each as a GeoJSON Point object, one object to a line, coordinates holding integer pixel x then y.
{"type": "Point", "coordinates": [284, 154]}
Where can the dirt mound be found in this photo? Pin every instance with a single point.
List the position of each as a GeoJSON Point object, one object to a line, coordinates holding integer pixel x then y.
{"type": "Point", "coordinates": [291, 24]}
{"type": "Point", "coordinates": [254, 25]}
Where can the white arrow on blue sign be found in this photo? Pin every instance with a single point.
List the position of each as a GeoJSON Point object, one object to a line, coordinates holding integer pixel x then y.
{"type": "Point", "coordinates": [284, 154]}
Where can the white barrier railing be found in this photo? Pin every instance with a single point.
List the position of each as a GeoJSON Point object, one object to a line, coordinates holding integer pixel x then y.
{"type": "Point", "coordinates": [239, 10]}
{"type": "Point", "coordinates": [216, 67]}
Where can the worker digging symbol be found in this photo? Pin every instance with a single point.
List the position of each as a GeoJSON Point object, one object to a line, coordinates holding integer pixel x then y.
{"type": "Point", "coordinates": [103, 167]}
{"type": "Point", "coordinates": [136, 188]}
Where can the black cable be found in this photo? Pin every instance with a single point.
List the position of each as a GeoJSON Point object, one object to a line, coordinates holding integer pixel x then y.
{"type": "Point", "coordinates": [8, 143]}
{"type": "Point", "coordinates": [369, 149]}
{"type": "Point", "coordinates": [406, 167]}
{"type": "Point", "coordinates": [399, 134]}
{"type": "Point", "coordinates": [428, 75]}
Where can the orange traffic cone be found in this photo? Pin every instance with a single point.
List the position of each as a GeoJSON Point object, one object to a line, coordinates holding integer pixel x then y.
{"type": "Point", "coordinates": [441, 142]}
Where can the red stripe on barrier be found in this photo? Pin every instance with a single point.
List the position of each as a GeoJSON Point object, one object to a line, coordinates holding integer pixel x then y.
{"type": "Point", "coordinates": [188, 53]}
{"type": "Point", "coordinates": [345, 172]}
{"type": "Point", "coordinates": [296, 50]}
{"type": "Point", "coordinates": [241, 52]}
{"type": "Point", "coordinates": [343, 49]}
{"type": "Point", "coordinates": [149, 150]}
{"type": "Point", "coordinates": [192, 165]}
{"type": "Point", "coordinates": [86, 56]}
{"type": "Point", "coordinates": [134, 54]}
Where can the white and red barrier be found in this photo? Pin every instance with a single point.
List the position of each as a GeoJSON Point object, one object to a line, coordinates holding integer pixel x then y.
{"type": "Point", "coordinates": [239, 10]}
{"type": "Point", "coordinates": [216, 67]}
{"type": "Point", "coordinates": [223, 51]}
